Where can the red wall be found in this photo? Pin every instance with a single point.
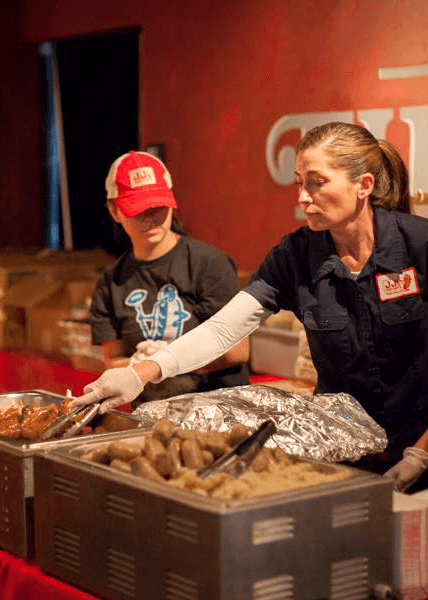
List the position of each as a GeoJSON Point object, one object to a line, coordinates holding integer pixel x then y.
{"type": "Point", "coordinates": [20, 134]}
{"type": "Point", "coordinates": [217, 76]}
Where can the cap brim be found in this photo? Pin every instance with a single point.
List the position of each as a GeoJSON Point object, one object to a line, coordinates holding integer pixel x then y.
{"type": "Point", "coordinates": [136, 203]}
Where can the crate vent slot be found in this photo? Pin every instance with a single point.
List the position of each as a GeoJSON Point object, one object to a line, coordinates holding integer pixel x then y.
{"type": "Point", "coordinates": [274, 588]}
{"type": "Point", "coordinates": [120, 507]}
{"type": "Point", "coordinates": [121, 572]}
{"type": "Point", "coordinates": [180, 588]}
{"type": "Point", "coordinates": [272, 530]}
{"type": "Point", "coordinates": [66, 487]}
{"type": "Point", "coordinates": [182, 528]}
{"type": "Point", "coordinates": [350, 579]}
{"type": "Point", "coordinates": [67, 549]}
{"type": "Point", "coordinates": [350, 514]}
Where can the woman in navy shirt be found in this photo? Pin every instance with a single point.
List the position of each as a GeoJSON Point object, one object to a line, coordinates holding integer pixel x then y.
{"type": "Point", "coordinates": [356, 277]}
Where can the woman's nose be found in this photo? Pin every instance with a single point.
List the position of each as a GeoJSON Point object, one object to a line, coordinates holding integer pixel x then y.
{"type": "Point", "coordinates": [304, 197]}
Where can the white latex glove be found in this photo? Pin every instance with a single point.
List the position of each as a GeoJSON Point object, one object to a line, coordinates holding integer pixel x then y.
{"type": "Point", "coordinates": [115, 386]}
{"type": "Point", "coordinates": [145, 349]}
{"type": "Point", "coordinates": [409, 468]}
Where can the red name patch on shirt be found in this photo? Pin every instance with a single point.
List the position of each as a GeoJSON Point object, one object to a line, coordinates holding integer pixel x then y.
{"type": "Point", "coordinates": [396, 285]}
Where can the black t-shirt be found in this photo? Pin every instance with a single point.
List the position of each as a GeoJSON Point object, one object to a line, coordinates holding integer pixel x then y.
{"type": "Point", "coordinates": [163, 298]}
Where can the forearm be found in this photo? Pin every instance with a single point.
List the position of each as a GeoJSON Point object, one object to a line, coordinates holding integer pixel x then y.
{"type": "Point", "coordinates": [423, 441]}
{"type": "Point", "coordinates": [211, 340]}
{"type": "Point", "coordinates": [237, 355]}
{"type": "Point", "coordinates": [113, 354]}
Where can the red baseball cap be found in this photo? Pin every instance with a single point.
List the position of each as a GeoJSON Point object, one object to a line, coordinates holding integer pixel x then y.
{"type": "Point", "coordinates": [137, 181]}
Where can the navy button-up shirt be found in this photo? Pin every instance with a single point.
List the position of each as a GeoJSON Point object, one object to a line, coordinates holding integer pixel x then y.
{"type": "Point", "coordinates": [368, 336]}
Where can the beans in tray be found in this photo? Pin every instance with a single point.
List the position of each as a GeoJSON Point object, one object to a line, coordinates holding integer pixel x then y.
{"type": "Point", "coordinates": [171, 455]}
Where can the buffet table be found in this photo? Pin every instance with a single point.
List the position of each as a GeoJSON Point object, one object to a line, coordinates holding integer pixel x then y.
{"type": "Point", "coordinates": [24, 580]}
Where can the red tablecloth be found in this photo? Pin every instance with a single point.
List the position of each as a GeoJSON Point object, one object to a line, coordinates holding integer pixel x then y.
{"type": "Point", "coordinates": [22, 581]}
{"type": "Point", "coordinates": [22, 370]}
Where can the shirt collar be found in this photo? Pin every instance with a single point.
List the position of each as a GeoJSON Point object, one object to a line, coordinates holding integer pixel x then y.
{"type": "Point", "coordinates": [388, 253]}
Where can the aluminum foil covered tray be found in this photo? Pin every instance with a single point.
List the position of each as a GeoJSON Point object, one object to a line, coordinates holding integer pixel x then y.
{"type": "Point", "coordinates": [328, 427]}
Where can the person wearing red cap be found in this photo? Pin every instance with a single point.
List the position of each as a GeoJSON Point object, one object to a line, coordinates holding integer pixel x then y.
{"type": "Point", "coordinates": [167, 284]}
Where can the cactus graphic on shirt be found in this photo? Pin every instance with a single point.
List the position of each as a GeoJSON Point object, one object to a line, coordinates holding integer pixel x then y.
{"type": "Point", "coordinates": [166, 321]}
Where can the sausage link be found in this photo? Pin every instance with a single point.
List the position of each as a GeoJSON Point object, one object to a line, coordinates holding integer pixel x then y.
{"type": "Point", "coordinates": [174, 448]}
{"type": "Point", "coordinates": [163, 430]}
{"type": "Point", "coordinates": [238, 433]}
{"type": "Point", "coordinates": [120, 465]}
{"type": "Point", "coordinates": [124, 451]}
{"type": "Point", "coordinates": [141, 466]}
{"type": "Point", "coordinates": [191, 453]}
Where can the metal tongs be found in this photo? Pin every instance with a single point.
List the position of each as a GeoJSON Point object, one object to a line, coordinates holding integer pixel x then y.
{"type": "Point", "coordinates": [59, 424]}
{"type": "Point", "coordinates": [243, 454]}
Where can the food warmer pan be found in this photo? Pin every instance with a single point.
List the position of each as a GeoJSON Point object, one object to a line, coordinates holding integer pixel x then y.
{"type": "Point", "coordinates": [17, 470]}
{"type": "Point", "coordinates": [123, 537]}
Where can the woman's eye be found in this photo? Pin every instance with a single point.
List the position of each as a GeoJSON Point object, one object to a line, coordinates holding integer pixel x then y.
{"type": "Point", "coordinates": [316, 182]}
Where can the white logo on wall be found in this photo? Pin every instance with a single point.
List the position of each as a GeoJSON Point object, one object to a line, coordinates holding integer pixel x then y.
{"type": "Point", "coordinates": [281, 162]}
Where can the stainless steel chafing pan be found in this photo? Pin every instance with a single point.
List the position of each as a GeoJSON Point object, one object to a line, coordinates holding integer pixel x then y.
{"type": "Point", "coordinates": [17, 470]}
{"type": "Point", "coordinates": [127, 538]}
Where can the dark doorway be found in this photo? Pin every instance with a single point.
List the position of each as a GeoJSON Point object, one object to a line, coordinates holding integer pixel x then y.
{"type": "Point", "coordinates": [99, 83]}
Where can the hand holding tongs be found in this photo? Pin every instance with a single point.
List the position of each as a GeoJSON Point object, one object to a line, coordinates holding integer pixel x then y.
{"type": "Point", "coordinates": [242, 455]}
{"type": "Point", "coordinates": [59, 424]}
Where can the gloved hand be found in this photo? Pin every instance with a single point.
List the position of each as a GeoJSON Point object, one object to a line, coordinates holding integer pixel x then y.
{"type": "Point", "coordinates": [115, 386]}
{"type": "Point", "coordinates": [409, 468]}
{"type": "Point", "coordinates": [145, 349]}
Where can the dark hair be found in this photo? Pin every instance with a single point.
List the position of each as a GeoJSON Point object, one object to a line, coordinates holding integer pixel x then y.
{"type": "Point", "coordinates": [176, 224]}
{"type": "Point", "coordinates": [354, 149]}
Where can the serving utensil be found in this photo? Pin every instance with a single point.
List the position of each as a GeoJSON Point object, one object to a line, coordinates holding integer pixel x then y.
{"type": "Point", "coordinates": [243, 454]}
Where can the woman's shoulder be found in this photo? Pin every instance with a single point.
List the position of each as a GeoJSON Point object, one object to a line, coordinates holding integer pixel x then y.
{"type": "Point", "coordinates": [118, 267]}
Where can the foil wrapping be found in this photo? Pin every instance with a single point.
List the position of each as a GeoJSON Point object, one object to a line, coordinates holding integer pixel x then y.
{"type": "Point", "coordinates": [329, 427]}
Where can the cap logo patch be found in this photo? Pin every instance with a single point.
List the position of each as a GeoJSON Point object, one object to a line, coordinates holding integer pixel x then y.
{"type": "Point", "coordinates": [142, 176]}
{"type": "Point", "coordinates": [396, 285]}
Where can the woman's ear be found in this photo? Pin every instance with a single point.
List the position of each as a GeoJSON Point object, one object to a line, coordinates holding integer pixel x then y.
{"type": "Point", "coordinates": [366, 185]}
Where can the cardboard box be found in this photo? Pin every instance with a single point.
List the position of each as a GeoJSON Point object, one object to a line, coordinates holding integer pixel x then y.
{"type": "Point", "coordinates": [34, 306]}
{"type": "Point", "coordinates": [16, 265]}
{"type": "Point", "coordinates": [274, 351]}
{"type": "Point", "coordinates": [410, 545]}
{"type": "Point", "coordinates": [77, 345]}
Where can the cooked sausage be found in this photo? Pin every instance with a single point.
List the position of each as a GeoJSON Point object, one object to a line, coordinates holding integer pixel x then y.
{"type": "Point", "coordinates": [163, 430]}
{"type": "Point", "coordinates": [141, 466]}
{"type": "Point", "coordinates": [215, 442]}
{"type": "Point", "coordinates": [120, 465]}
{"type": "Point", "coordinates": [124, 451]}
{"type": "Point", "coordinates": [174, 448]}
{"type": "Point", "coordinates": [192, 455]}
{"type": "Point", "coordinates": [152, 447]}
{"type": "Point", "coordinates": [207, 457]}
{"type": "Point", "coordinates": [164, 464]}
{"type": "Point", "coordinates": [238, 433]}
{"type": "Point", "coordinates": [262, 460]}
{"type": "Point", "coordinates": [98, 455]}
